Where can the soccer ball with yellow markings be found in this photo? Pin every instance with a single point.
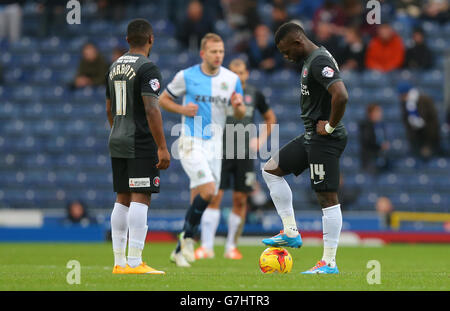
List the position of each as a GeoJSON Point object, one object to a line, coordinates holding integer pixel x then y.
{"type": "Point", "coordinates": [275, 260]}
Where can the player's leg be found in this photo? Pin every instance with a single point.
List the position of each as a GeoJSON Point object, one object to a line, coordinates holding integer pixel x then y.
{"type": "Point", "coordinates": [211, 216]}
{"type": "Point", "coordinates": [143, 181]}
{"type": "Point", "coordinates": [325, 174]}
{"type": "Point", "coordinates": [201, 196]}
{"type": "Point", "coordinates": [119, 215]}
{"type": "Point", "coordinates": [137, 217]}
{"type": "Point", "coordinates": [331, 226]}
{"type": "Point", "coordinates": [244, 177]}
{"type": "Point", "coordinates": [209, 223]}
{"type": "Point", "coordinates": [236, 220]}
{"type": "Point", "coordinates": [292, 158]}
{"type": "Point", "coordinates": [196, 159]}
{"type": "Point", "coordinates": [119, 229]}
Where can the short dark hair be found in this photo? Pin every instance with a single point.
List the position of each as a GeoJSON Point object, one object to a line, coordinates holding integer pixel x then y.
{"type": "Point", "coordinates": [286, 29]}
{"type": "Point", "coordinates": [419, 29]}
{"type": "Point", "coordinates": [138, 32]}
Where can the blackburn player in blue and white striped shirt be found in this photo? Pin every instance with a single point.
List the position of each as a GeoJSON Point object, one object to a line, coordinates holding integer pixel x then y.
{"type": "Point", "coordinates": [206, 90]}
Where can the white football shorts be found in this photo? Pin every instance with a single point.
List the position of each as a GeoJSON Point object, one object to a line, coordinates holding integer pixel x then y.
{"type": "Point", "coordinates": [201, 159]}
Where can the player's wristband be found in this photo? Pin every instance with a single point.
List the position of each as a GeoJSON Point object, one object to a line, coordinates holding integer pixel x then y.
{"type": "Point", "coordinates": [329, 129]}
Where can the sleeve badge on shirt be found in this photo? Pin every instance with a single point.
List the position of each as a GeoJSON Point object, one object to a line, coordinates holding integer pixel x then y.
{"type": "Point", "coordinates": [327, 72]}
{"type": "Point", "coordinates": [154, 84]}
{"type": "Point", "coordinates": [305, 72]}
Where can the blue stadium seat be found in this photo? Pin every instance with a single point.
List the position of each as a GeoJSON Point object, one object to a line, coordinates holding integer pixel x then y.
{"type": "Point", "coordinates": [375, 79]}
{"type": "Point", "coordinates": [52, 44]}
{"type": "Point", "coordinates": [432, 78]}
{"type": "Point", "coordinates": [351, 78]}
{"type": "Point", "coordinates": [53, 94]}
{"type": "Point", "coordinates": [24, 45]}
{"type": "Point", "coordinates": [439, 45]}
{"type": "Point", "coordinates": [9, 110]}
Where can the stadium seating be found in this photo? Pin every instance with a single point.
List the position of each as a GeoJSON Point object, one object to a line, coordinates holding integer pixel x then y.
{"type": "Point", "coordinates": [54, 139]}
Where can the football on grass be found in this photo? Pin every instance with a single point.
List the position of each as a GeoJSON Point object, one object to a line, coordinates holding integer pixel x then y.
{"type": "Point", "coordinates": [275, 260]}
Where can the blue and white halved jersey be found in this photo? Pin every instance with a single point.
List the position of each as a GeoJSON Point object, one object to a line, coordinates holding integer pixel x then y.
{"type": "Point", "coordinates": [212, 94]}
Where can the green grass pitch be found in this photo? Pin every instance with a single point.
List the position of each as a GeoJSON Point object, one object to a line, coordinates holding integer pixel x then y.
{"type": "Point", "coordinates": [42, 266]}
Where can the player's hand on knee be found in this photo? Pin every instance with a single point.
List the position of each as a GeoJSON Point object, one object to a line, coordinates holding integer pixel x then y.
{"type": "Point", "coordinates": [164, 159]}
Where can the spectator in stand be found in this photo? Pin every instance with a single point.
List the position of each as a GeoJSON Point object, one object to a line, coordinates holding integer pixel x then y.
{"type": "Point", "coordinates": [279, 16]}
{"type": "Point", "coordinates": [421, 121]}
{"type": "Point", "coordinates": [52, 15]}
{"type": "Point", "coordinates": [11, 20]}
{"type": "Point", "coordinates": [437, 11]}
{"type": "Point", "coordinates": [385, 52]}
{"type": "Point", "coordinates": [324, 35]}
{"type": "Point", "coordinates": [241, 15]}
{"type": "Point", "coordinates": [418, 55]}
{"type": "Point", "coordinates": [112, 10]}
{"type": "Point", "coordinates": [194, 27]}
{"type": "Point", "coordinates": [77, 214]}
{"type": "Point", "coordinates": [304, 9]}
{"type": "Point", "coordinates": [348, 195]}
{"type": "Point", "coordinates": [262, 51]}
{"type": "Point", "coordinates": [91, 69]}
{"type": "Point", "coordinates": [354, 12]}
{"type": "Point", "coordinates": [384, 208]}
{"type": "Point", "coordinates": [374, 144]}
{"type": "Point", "coordinates": [411, 8]}
{"type": "Point", "coordinates": [354, 51]}
{"type": "Point", "coordinates": [330, 12]}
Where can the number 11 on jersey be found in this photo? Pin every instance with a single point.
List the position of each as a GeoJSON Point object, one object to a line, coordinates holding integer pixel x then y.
{"type": "Point", "coordinates": [120, 88]}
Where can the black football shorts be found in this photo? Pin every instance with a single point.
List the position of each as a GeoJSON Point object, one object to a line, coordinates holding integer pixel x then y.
{"type": "Point", "coordinates": [135, 175]}
{"type": "Point", "coordinates": [320, 154]}
{"type": "Point", "coordinates": [239, 171]}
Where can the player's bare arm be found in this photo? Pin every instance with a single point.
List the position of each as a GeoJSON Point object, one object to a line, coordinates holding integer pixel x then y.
{"type": "Point", "coordinates": [109, 112]}
{"type": "Point", "coordinates": [168, 104]}
{"type": "Point", "coordinates": [155, 124]}
{"type": "Point", "coordinates": [237, 102]}
{"type": "Point", "coordinates": [339, 98]}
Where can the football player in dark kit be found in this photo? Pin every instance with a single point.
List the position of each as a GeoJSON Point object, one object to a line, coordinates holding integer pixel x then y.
{"type": "Point", "coordinates": [136, 144]}
{"type": "Point", "coordinates": [323, 101]}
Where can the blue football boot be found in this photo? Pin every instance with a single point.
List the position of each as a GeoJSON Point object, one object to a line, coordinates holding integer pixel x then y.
{"type": "Point", "coordinates": [322, 268]}
{"type": "Point", "coordinates": [282, 239]}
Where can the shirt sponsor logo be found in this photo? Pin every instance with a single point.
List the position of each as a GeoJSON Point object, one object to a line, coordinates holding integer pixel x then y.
{"type": "Point", "coordinates": [327, 72]}
{"type": "Point", "coordinates": [210, 99]}
{"type": "Point", "coordinates": [154, 84]}
{"type": "Point", "coordinates": [127, 59]}
{"type": "Point", "coordinates": [304, 89]}
{"type": "Point", "coordinates": [139, 182]}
